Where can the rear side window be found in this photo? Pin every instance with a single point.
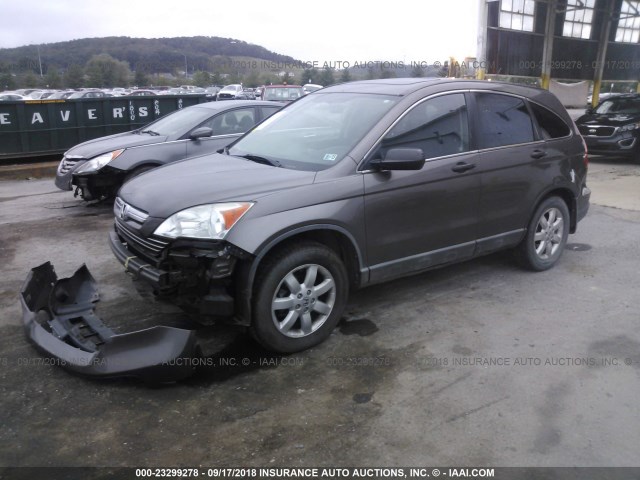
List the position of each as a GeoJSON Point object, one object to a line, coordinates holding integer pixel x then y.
{"type": "Point", "coordinates": [550, 124]}
{"type": "Point", "coordinates": [502, 120]}
{"type": "Point", "coordinates": [438, 126]}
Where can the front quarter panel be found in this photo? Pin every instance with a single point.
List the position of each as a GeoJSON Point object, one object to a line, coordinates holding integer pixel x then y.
{"type": "Point", "coordinates": [337, 203]}
{"type": "Point", "coordinates": [156, 154]}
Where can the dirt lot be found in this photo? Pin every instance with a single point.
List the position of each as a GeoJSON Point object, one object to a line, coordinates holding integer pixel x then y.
{"type": "Point", "coordinates": [476, 364]}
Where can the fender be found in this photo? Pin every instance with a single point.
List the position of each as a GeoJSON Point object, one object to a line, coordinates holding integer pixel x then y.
{"type": "Point", "coordinates": [248, 274]}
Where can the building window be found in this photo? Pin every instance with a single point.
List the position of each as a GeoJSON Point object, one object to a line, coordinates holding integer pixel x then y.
{"type": "Point", "coordinates": [629, 23]}
{"type": "Point", "coordinates": [578, 18]}
{"type": "Point", "coordinates": [517, 14]}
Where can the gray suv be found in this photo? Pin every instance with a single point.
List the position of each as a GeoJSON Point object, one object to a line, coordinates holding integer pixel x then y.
{"type": "Point", "coordinates": [357, 184]}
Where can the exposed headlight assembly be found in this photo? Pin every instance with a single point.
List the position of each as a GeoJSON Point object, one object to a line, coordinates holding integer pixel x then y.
{"type": "Point", "coordinates": [96, 163]}
{"type": "Point", "coordinates": [211, 221]}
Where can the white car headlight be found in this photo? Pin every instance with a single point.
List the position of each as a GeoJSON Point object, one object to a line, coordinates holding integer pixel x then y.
{"type": "Point", "coordinates": [96, 163]}
{"type": "Point", "coordinates": [629, 127]}
{"type": "Point", "coordinates": [204, 221]}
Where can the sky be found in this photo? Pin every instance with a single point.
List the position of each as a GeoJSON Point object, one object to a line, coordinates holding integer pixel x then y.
{"type": "Point", "coordinates": [323, 31]}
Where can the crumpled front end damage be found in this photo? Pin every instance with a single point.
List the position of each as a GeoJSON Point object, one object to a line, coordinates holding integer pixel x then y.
{"type": "Point", "coordinates": [59, 317]}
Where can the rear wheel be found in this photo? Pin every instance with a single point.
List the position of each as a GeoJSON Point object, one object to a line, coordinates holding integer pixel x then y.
{"type": "Point", "coordinates": [300, 296]}
{"type": "Point", "coordinates": [546, 235]}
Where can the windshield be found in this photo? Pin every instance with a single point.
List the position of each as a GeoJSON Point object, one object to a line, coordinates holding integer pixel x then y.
{"type": "Point", "coordinates": [178, 122]}
{"type": "Point", "coordinates": [316, 132]}
{"type": "Point", "coordinates": [620, 105]}
{"type": "Point", "coordinates": [231, 88]}
{"type": "Point", "coordinates": [283, 93]}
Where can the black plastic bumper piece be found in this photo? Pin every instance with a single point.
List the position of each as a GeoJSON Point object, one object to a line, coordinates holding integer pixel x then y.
{"type": "Point", "coordinates": [59, 317]}
{"type": "Point", "coordinates": [136, 266]}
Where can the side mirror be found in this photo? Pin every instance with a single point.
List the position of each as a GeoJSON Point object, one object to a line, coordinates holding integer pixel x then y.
{"type": "Point", "coordinates": [400, 159]}
{"type": "Point", "coordinates": [589, 110]}
{"type": "Point", "coordinates": [200, 133]}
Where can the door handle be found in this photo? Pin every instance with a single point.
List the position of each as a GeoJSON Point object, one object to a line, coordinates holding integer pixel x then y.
{"type": "Point", "coordinates": [538, 154]}
{"type": "Point", "coordinates": [461, 167]}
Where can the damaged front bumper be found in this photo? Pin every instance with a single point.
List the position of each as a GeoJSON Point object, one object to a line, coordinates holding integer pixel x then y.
{"type": "Point", "coordinates": [59, 317]}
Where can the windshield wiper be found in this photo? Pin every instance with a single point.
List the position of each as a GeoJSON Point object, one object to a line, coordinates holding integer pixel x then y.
{"type": "Point", "coordinates": [150, 132]}
{"type": "Point", "coordinates": [263, 160]}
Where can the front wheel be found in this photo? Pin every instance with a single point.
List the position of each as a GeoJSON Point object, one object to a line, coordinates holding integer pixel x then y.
{"type": "Point", "coordinates": [300, 296]}
{"type": "Point", "coordinates": [546, 235]}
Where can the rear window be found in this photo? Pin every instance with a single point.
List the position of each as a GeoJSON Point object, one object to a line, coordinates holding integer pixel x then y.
{"type": "Point", "coordinates": [550, 124]}
{"type": "Point", "coordinates": [502, 120]}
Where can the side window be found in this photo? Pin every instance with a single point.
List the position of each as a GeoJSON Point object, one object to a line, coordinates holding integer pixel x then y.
{"type": "Point", "coordinates": [268, 111]}
{"type": "Point", "coordinates": [235, 121]}
{"type": "Point", "coordinates": [551, 125]}
{"type": "Point", "coordinates": [438, 126]}
{"type": "Point", "coordinates": [502, 120]}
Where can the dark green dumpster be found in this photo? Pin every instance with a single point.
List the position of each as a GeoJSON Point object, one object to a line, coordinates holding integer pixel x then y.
{"type": "Point", "coordinates": [44, 127]}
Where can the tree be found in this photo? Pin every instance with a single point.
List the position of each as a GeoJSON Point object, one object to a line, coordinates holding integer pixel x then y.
{"type": "Point", "coordinates": [105, 71]}
{"type": "Point", "coordinates": [140, 78]}
{"type": "Point", "coordinates": [7, 82]}
{"type": "Point", "coordinates": [52, 78]}
{"type": "Point", "coordinates": [326, 77]}
{"type": "Point", "coordinates": [346, 75]}
{"type": "Point", "coordinates": [30, 80]}
{"type": "Point", "coordinates": [387, 73]}
{"type": "Point", "coordinates": [417, 72]}
{"type": "Point", "coordinates": [310, 75]}
{"type": "Point", "coordinates": [74, 76]}
{"type": "Point", "coordinates": [202, 79]}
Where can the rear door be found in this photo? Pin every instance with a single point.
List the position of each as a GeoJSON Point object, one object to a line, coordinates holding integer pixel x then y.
{"type": "Point", "coordinates": [514, 165]}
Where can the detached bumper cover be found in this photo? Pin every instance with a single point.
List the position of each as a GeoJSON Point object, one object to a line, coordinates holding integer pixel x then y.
{"type": "Point", "coordinates": [59, 317]}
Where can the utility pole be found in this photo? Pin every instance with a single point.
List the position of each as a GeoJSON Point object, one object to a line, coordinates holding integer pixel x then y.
{"type": "Point", "coordinates": [602, 53]}
{"type": "Point", "coordinates": [39, 61]}
{"type": "Point", "coordinates": [481, 54]}
{"type": "Point", "coordinates": [547, 49]}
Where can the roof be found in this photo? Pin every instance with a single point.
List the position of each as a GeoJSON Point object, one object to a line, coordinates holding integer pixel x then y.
{"type": "Point", "coordinates": [406, 86]}
{"type": "Point", "coordinates": [226, 104]}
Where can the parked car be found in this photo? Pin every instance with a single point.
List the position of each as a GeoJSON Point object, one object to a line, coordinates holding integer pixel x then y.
{"type": "Point", "coordinates": [98, 167]}
{"type": "Point", "coordinates": [282, 93]}
{"type": "Point", "coordinates": [211, 92]}
{"type": "Point", "coordinates": [310, 87]}
{"type": "Point", "coordinates": [61, 95]}
{"type": "Point", "coordinates": [357, 184]}
{"type": "Point", "coordinates": [12, 97]}
{"type": "Point", "coordinates": [87, 94]}
{"type": "Point", "coordinates": [258, 92]}
{"type": "Point", "coordinates": [142, 93]}
{"type": "Point", "coordinates": [613, 127]}
{"type": "Point", "coordinates": [231, 92]}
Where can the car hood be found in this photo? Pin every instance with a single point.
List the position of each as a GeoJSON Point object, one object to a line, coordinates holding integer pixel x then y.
{"type": "Point", "coordinates": [113, 142]}
{"type": "Point", "coordinates": [613, 119]}
{"type": "Point", "coordinates": [164, 191]}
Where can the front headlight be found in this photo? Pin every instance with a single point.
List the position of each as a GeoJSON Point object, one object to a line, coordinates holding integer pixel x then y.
{"type": "Point", "coordinates": [204, 221]}
{"type": "Point", "coordinates": [100, 161]}
{"type": "Point", "coordinates": [629, 127]}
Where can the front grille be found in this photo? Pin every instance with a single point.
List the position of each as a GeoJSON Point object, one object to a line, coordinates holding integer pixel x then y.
{"type": "Point", "coordinates": [124, 211]}
{"type": "Point", "coordinates": [596, 130]}
{"type": "Point", "coordinates": [226, 95]}
{"type": "Point", "coordinates": [67, 164]}
{"type": "Point", "coordinates": [151, 247]}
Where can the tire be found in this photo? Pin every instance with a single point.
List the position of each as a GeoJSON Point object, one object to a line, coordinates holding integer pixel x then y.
{"type": "Point", "coordinates": [546, 237]}
{"type": "Point", "coordinates": [138, 171]}
{"type": "Point", "coordinates": [304, 315]}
